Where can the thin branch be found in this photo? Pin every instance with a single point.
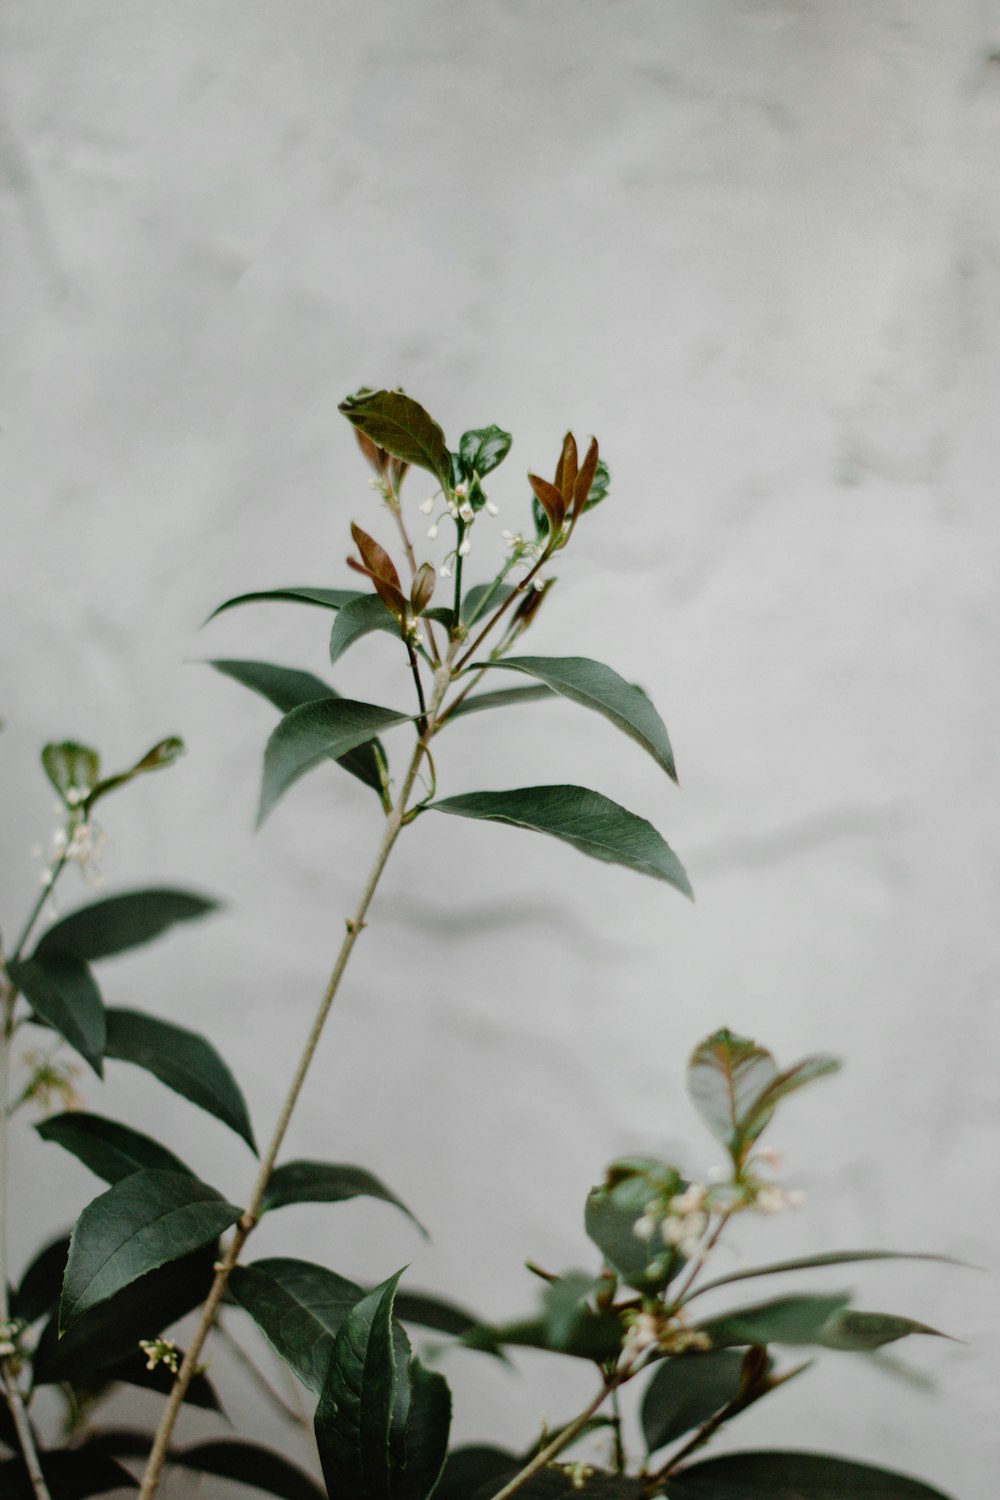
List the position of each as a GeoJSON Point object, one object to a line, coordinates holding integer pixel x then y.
{"type": "Point", "coordinates": [559, 1442]}
{"type": "Point", "coordinates": [25, 1436]}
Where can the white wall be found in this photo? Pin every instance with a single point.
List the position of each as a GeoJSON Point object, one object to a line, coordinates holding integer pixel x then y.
{"type": "Point", "coordinates": [755, 246]}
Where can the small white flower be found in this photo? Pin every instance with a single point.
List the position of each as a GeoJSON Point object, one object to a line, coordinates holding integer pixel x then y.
{"type": "Point", "coordinates": [427, 506]}
{"type": "Point", "coordinates": [492, 508]}
{"type": "Point", "coordinates": [466, 513]}
{"type": "Point", "coordinates": [508, 536]}
{"type": "Point", "coordinates": [465, 547]}
{"type": "Point", "coordinates": [432, 532]}
{"type": "Point", "coordinates": [645, 1228]}
{"type": "Point", "coordinates": [538, 584]}
{"type": "Point", "coordinates": [770, 1157]}
{"type": "Point", "coordinates": [770, 1199]}
{"type": "Point", "coordinates": [444, 571]}
{"type": "Point", "coordinates": [691, 1201]}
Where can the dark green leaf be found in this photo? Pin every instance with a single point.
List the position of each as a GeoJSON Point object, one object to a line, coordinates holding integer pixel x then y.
{"type": "Point", "coordinates": [599, 486]}
{"type": "Point", "coordinates": [308, 734]}
{"type": "Point", "coordinates": [848, 1329]}
{"type": "Point", "coordinates": [786, 1320]}
{"type": "Point", "coordinates": [483, 595]}
{"type": "Point", "coordinates": [325, 1182]}
{"type": "Point", "coordinates": [611, 1214]}
{"type": "Point", "coordinates": [288, 688]}
{"type": "Point", "coordinates": [72, 769]}
{"type": "Point", "coordinates": [483, 449]}
{"type": "Point", "coordinates": [298, 1307]}
{"type": "Point", "coordinates": [596, 686]}
{"type": "Point", "coordinates": [727, 1074]}
{"type": "Point", "coordinates": [63, 993]}
{"type": "Point", "coordinates": [250, 1464]}
{"type": "Point", "coordinates": [505, 698]}
{"type": "Point", "coordinates": [359, 618]}
{"type": "Point", "coordinates": [110, 1332]}
{"type": "Point", "coordinates": [399, 425]}
{"type": "Point", "coordinates": [433, 1312]}
{"type": "Point", "coordinates": [522, 1333]}
{"type": "Point", "coordinates": [324, 598]}
{"type": "Point", "coordinates": [590, 822]}
{"type": "Point", "coordinates": [69, 1473]}
{"type": "Point", "coordinates": [182, 1060]}
{"type": "Point", "coordinates": [418, 1457]}
{"type": "Point", "coordinates": [41, 1283]}
{"type": "Point", "coordinates": [121, 922]}
{"type": "Point", "coordinates": [686, 1391]}
{"type": "Point", "coordinates": [810, 1262]}
{"type": "Point", "coordinates": [111, 1150]}
{"type": "Point", "coordinates": [573, 1325]}
{"type": "Point", "coordinates": [469, 1470]}
{"type": "Point", "coordinates": [143, 1221]}
{"type": "Point", "coordinates": [355, 1409]}
{"type": "Point", "coordinates": [794, 1476]}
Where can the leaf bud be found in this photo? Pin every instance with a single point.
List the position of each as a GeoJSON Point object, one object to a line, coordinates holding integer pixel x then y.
{"type": "Point", "coordinates": [422, 588]}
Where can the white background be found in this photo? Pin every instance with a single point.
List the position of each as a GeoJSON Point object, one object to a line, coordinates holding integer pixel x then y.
{"type": "Point", "coordinates": [755, 246]}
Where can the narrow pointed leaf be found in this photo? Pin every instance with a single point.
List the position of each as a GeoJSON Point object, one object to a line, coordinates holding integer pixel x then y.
{"type": "Point", "coordinates": [811, 1262]}
{"type": "Point", "coordinates": [288, 688]}
{"type": "Point", "coordinates": [503, 698]}
{"type": "Point", "coordinates": [785, 1320]}
{"type": "Point", "coordinates": [41, 1283]}
{"type": "Point", "coordinates": [590, 822]}
{"type": "Point", "coordinates": [251, 1464]}
{"type": "Point", "coordinates": [326, 1182]}
{"type": "Point", "coordinates": [162, 755]}
{"type": "Point", "coordinates": [64, 994]}
{"type": "Point", "coordinates": [786, 1083]}
{"type": "Point", "coordinates": [686, 1391]}
{"type": "Point", "coordinates": [310, 733]}
{"type": "Point", "coordinates": [864, 1331]}
{"type": "Point", "coordinates": [568, 465]}
{"type": "Point", "coordinates": [427, 1430]}
{"type": "Point", "coordinates": [184, 1061]}
{"type": "Point", "coordinates": [110, 1332]}
{"type": "Point", "coordinates": [354, 1416]}
{"type": "Point", "coordinates": [794, 1476]}
{"type": "Point", "coordinates": [483, 597]}
{"type": "Point", "coordinates": [299, 1307]}
{"type": "Point", "coordinates": [377, 565]}
{"type": "Point", "coordinates": [323, 598]}
{"type": "Point", "coordinates": [596, 686]}
{"type": "Point", "coordinates": [550, 499]}
{"type": "Point", "coordinates": [434, 1312]}
{"type": "Point", "coordinates": [403, 428]}
{"type": "Point", "coordinates": [585, 478]}
{"type": "Point", "coordinates": [110, 1150]}
{"type": "Point", "coordinates": [359, 619]}
{"type": "Point", "coordinates": [727, 1074]}
{"type": "Point", "coordinates": [142, 1222]}
{"type": "Point", "coordinates": [118, 923]}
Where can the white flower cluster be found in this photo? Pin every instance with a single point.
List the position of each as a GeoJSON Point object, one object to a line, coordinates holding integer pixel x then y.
{"type": "Point", "coordinates": [459, 509]}
{"type": "Point", "coordinates": [680, 1221]}
{"type": "Point", "coordinates": [83, 844]}
{"type": "Point", "coordinates": [667, 1335]}
{"type": "Point", "coordinates": [160, 1352]}
{"type": "Point", "coordinates": [771, 1198]}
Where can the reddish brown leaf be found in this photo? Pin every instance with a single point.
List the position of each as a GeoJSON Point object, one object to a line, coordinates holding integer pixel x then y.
{"type": "Point", "coordinates": [422, 588]}
{"type": "Point", "coordinates": [375, 455]}
{"type": "Point", "coordinates": [568, 466]}
{"type": "Point", "coordinates": [585, 479]}
{"type": "Point", "coordinates": [550, 499]}
{"type": "Point", "coordinates": [377, 565]}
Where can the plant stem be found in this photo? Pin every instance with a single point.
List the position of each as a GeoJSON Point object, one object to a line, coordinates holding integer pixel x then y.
{"type": "Point", "coordinates": [522, 586]}
{"type": "Point", "coordinates": [559, 1442]}
{"type": "Point", "coordinates": [25, 1436]}
{"type": "Point", "coordinates": [36, 910]}
{"type": "Point", "coordinates": [355, 926]}
{"type": "Point", "coordinates": [397, 511]}
{"type": "Point", "coordinates": [700, 1259]}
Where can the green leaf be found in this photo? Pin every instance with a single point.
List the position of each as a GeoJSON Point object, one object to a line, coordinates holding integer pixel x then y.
{"type": "Point", "coordinates": [811, 1262]}
{"type": "Point", "coordinates": [110, 1150]}
{"type": "Point", "coordinates": [727, 1075]}
{"type": "Point", "coordinates": [69, 1473]}
{"type": "Point", "coordinates": [434, 1312]}
{"type": "Point", "coordinates": [504, 698]}
{"type": "Point", "coordinates": [469, 1470]}
{"type": "Point", "coordinates": [855, 1330]}
{"type": "Point", "coordinates": [64, 995]}
{"type": "Point", "coordinates": [483, 449]}
{"type": "Point", "coordinates": [118, 923]}
{"type": "Point", "coordinates": [41, 1283]}
{"type": "Point", "coordinates": [596, 686]}
{"type": "Point", "coordinates": [326, 1182]}
{"type": "Point", "coordinates": [591, 823]}
{"type": "Point", "coordinates": [324, 598]}
{"type": "Point", "coordinates": [110, 1332]}
{"type": "Point", "coordinates": [162, 754]}
{"type": "Point", "coordinates": [250, 1464]}
{"type": "Point", "coordinates": [786, 1083]}
{"type": "Point", "coordinates": [786, 1320]}
{"type": "Point", "coordinates": [565, 1483]}
{"type": "Point", "coordinates": [145, 1220]}
{"type": "Point", "coordinates": [308, 734]}
{"type": "Point", "coordinates": [288, 688]}
{"type": "Point", "coordinates": [182, 1060]}
{"type": "Point", "coordinates": [298, 1307]}
{"type": "Point", "coordinates": [599, 486]}
{"type": "Point", "coordinates": [610, 1217]}
{"type": "Point", "coordinates": [794, 1476]}
{"type": "Point", "coordinates": [483, 594]}
{"type": "Point", "coordinates": [73, 770]}
{"type": "Point", "coordinates": [685, 1391]}
{"type": "Point", "coordinates": [399, 425]}
{"type": "Point", "coordinates": [573, 1325]}
{"type": "Point", "coordinates": [419, 1451]}
{"type": "Point", "coordinates": [359, 618]}
{"type": "Point", "coordinates": [355, 1410]}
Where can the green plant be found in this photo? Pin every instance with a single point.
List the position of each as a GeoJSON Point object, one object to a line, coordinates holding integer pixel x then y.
{"type": "Point", "coordinates": [160, 1243]}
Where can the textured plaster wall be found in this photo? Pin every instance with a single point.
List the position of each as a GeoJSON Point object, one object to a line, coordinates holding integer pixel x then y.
{"type": "Point", "coordinates": [755, 246]}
